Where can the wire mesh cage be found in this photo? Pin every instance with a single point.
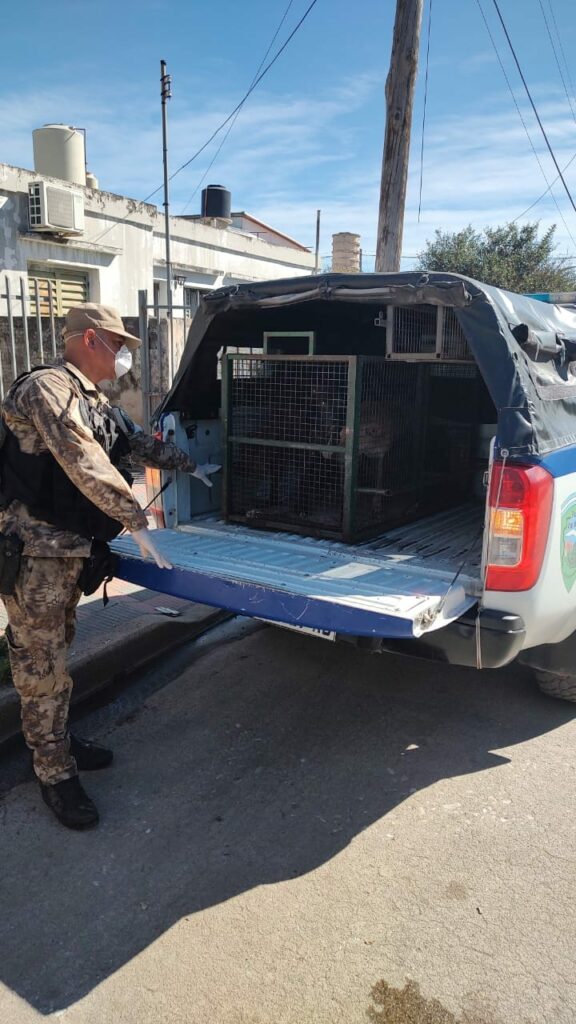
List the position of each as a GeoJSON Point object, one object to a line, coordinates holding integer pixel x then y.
{"type": "Point", "coordinates": [285, 422]}
{"type": "Point", "coordinates": [425, 332]}
{"type": "Point", "coordinates": [343, 447]}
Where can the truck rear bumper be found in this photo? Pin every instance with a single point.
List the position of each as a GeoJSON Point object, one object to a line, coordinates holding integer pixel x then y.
{"type": "Point", "coordinates": [485, 639]}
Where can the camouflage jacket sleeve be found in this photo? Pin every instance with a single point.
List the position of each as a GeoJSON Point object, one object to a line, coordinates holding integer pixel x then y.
{"type": "Point", "coordinates": [51, 404]}
{"type": "Point", "coordinates": [150, 451]}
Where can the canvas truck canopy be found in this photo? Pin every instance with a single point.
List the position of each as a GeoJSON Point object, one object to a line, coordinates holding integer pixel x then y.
{"type": "Point", "coordinates": [525, 348]}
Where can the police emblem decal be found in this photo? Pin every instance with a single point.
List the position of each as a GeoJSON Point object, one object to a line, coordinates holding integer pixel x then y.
{"type": "Point", "coordinates": [568, 542]}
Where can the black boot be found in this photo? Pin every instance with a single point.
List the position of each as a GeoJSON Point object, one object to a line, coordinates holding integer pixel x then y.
{"type": "Point", "coordinates": [71, 805]}
{"type": "Point", "coordinates": [89, 757]}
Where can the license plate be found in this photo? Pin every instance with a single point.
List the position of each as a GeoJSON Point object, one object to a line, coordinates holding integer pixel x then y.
{"type": "Point", "coordinates": [324, 634]}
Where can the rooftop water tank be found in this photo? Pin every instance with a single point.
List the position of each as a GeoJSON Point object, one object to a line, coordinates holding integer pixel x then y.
{"type": "Point", "coordinates": [216, 202]}
{"type": "Point", "coordinates": [59, 153]}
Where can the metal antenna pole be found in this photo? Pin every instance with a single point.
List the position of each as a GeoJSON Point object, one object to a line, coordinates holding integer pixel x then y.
{"type": "Point", "coordinates": [317, 250]}
{"type": "Point", "coordinates": [166, 93]}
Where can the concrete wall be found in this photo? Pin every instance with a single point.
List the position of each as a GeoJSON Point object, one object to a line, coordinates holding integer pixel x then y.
{"type": "Point", "coordinates": [115, 249]}
{"type": "Point", "coordinates": [238, 256]}
{"type": "Point", "coordinates": [122, 248]}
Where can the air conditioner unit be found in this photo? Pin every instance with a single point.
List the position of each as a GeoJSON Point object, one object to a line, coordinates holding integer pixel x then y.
{"type": "Point", "coordinates": [55, 208]}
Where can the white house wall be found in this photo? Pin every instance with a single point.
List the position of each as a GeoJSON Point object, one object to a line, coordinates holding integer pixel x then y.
{"type": "Point", "coordinates": [122, 248]}
{"type": "Point", "coordinates": [118, 261]}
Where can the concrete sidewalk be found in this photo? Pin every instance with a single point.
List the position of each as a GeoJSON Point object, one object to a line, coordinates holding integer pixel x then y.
{"type": "Point", "coordinates": [135, 627]}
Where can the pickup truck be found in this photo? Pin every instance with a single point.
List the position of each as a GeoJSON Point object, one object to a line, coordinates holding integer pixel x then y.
{"type": "Point", "coordinates": [399, 468]}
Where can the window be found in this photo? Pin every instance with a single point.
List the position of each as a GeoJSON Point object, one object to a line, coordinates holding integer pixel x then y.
{"type": "Point", "coordinates": [57, 287]}
{"type": "Point", "coordinates": [191, 300]}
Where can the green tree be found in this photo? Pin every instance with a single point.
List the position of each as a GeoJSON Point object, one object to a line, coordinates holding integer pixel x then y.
{"type": "Point", "coordinates": [510, 256]}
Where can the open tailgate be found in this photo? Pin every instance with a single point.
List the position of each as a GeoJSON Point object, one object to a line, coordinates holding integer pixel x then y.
{"type": "Point", "coordinates": [297, 581]}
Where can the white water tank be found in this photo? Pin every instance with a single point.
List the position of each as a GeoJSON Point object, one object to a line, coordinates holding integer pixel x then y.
{"type": "Point", "coordinates": [59, 153]}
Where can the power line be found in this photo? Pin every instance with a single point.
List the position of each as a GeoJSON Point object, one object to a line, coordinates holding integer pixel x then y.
{"type": "Point", "coordinates": [237, 108]}
{"type": "Point", "coordinates": [559, 37]}
{"type": "Point", "coordinates": [524, 125]}
{"type": "Point", "coordinates": [544, 194]}
{"type": "Point", "coordinates": [558, 65]}
{"type": "Point", "coordinates": [536, 114]}
{"type": "Point", "coordinates": [424, 111]}
{"type": "Point", "coordinates": [250, 90]}
{"type": "Point", "coordinates": [237, 114]}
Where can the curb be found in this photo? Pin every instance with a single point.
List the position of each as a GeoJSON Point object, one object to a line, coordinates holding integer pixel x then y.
{"type": "Point", "coordinates": [105, 659]}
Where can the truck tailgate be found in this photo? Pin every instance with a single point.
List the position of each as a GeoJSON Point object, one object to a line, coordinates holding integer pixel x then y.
{"type": "Point", "coordinates": [297, 581]}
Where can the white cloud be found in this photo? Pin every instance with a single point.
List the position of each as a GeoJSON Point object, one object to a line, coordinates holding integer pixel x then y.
{"type": "Point", "coordinates": [290, 155]}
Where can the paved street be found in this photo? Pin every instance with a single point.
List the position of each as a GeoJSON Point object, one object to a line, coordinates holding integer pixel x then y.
{"type": "Point", "coordinates": [298, 833]}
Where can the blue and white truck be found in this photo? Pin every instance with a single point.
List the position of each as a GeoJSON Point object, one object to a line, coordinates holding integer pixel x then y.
{"type": "Point", "coordinates": [399, 468]}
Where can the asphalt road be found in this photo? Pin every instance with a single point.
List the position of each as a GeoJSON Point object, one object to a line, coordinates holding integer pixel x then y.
{"type": "Point", "coordinates": [296, 832]}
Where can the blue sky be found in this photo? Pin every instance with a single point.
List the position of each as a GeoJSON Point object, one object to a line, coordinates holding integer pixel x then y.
{"type": "Point", "coordinates": [311, 135]}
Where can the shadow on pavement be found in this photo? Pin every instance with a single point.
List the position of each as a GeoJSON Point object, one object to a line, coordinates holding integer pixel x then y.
{"type": "Point", "coordinates": [259, 764]}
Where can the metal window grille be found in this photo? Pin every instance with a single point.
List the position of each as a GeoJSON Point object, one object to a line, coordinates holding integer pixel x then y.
{"type": "Point", "coordinates": [424, 332]}
{"type": "Point", "coordinates": [454, 344]}
{"type": "Point", "coordinates": [343, 447]}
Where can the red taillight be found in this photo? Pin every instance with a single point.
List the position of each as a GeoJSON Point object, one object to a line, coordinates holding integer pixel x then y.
{"type": "Point", "coordinates": [520, 502]}
{"type": "Point", "coordinates": [153, 485]}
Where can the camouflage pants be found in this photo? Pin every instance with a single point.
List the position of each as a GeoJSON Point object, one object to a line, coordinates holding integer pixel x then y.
{"type": "Point", "coordinates": [42, 621]}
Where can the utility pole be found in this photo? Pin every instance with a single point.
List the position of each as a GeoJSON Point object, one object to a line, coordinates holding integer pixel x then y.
{"type": "Point", "coordinates": [400, 86]}
{"type": "Point", "coordinates": [165, 94]}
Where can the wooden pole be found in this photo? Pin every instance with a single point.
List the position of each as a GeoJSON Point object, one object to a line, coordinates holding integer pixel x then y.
{"type": "Point", "coordinates": [400, 86]}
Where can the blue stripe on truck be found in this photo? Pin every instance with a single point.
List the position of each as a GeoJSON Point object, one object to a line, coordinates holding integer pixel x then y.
{"type": "Point", "coordinates": [558, 463]}
{"type": "Point", "coordinates": [248, 598]}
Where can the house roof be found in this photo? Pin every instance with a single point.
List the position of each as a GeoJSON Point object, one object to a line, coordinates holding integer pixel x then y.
{"type": "Point", "coordinates": [267, 227]}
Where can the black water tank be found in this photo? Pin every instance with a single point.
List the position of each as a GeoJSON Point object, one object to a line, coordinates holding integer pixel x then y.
{"type": "Point", "coordinates": [216, 201]}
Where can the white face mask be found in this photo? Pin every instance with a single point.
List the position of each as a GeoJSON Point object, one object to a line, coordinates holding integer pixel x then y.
{"type": "Point", "coordinates": [122, 358]}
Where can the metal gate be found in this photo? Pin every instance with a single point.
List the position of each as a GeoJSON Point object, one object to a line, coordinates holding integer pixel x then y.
{"type": "Point", "coordinates": [26, 339]}
{"type": "Point", "coordinates": [163, 341]}
{"type": "Point", "coordinates": [30, 334]}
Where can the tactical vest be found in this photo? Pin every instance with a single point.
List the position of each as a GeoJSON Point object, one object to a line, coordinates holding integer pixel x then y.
{"type": "Point", "coordinates": [42, 485]}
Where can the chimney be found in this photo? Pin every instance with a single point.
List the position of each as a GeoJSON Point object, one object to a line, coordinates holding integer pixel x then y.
{"type": "Point", "coordinates": [345, 253]}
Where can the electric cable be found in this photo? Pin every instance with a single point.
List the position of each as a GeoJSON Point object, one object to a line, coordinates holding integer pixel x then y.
{"type": "Point", "coordinates": [533, 105]}
{"type": "Point", "coordinates": [237, 114]}
{"type": "Point", "coordinates": [562, 51]}
{"type": "Point", "coordinates": [424, 111]}
{"type": "Point", "coordinates": [249, 91]}
{"type": "Point", "coordinates": [570, 82]}
{"type": "Point", "coordinates": [545, 193]}
{"type": "Point", "coordinates": [524, 125]}
{"type": "Point", "coordinates": [558, 65]}
{"type": "Point", "coordinates": [238, 107]}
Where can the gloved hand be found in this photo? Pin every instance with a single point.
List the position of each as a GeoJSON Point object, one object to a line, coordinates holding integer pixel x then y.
{"type": "Point", "coordinates": [203, 472]}
{"type": "Point", "coordinates": [148, 548]}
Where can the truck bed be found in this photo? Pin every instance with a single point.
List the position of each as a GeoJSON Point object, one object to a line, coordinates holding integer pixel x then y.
{"type": "Point", "coordinates": [448, 541]}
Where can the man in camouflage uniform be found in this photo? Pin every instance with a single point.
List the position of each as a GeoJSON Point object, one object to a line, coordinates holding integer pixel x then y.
{"type": "Point", "coordinates": [58, 413]}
